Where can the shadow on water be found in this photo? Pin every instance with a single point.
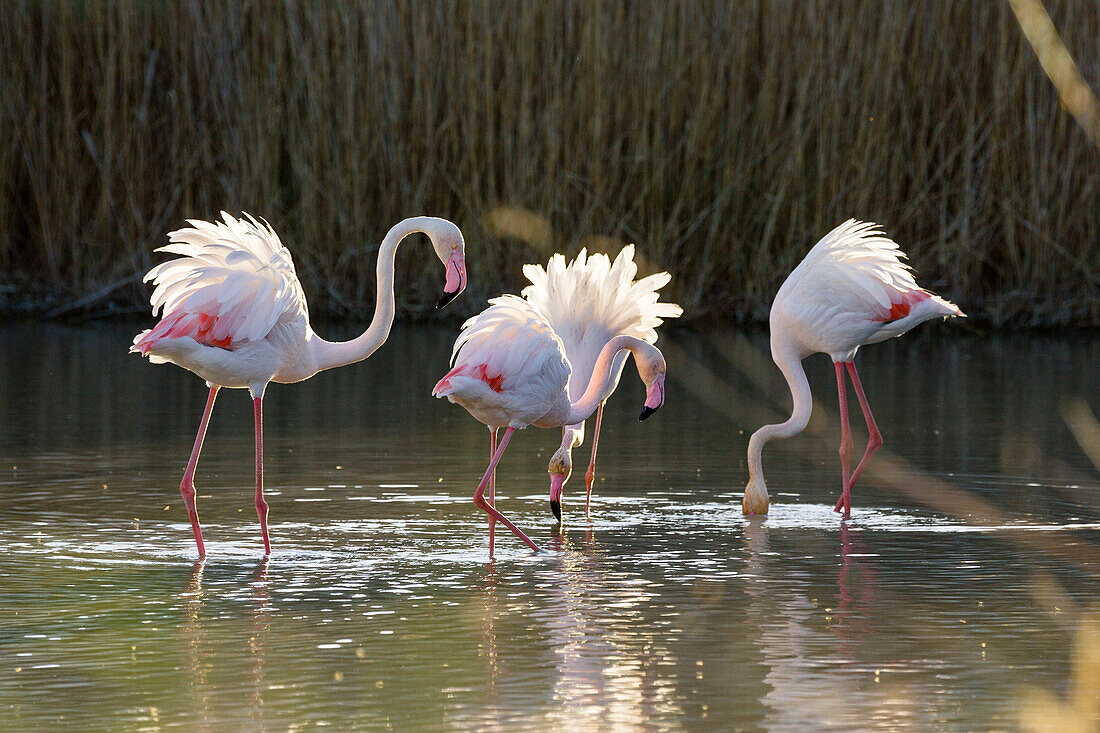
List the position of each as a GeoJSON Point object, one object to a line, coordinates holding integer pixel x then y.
{"type": "Point", "coordinates": [668, 610]}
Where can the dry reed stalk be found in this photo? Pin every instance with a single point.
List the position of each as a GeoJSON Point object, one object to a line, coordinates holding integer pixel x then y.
{"type": "Point", "coordinates": [723, 138]}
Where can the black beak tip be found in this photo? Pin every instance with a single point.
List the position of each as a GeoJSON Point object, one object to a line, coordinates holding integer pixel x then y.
{"type": "Point", "coordinates": [646, 412]}
{"type": "Point", "coordinates": [446, 298]}
{"type": "Point", "coordinates": [555, 506]}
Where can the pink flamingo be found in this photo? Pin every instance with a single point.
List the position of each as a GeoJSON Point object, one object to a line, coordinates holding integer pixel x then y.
{"type": "Point", "coordinates": [587, 302]}
{"type": "Point", "coordinates": [235, 314]}
{"type": "Point", "coordinates": [852, 289]}
{"type": "Point", "coordinates": [511, 370]}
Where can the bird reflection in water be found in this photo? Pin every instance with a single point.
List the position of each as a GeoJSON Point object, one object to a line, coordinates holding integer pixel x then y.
{"type": "Point", "coordinates": [560, 542]}
{"type": "Point", "coordinates": [488, 649]}
{"type": "Point", "coordinates": [801, 696]}
{"type": "Point", "coordinates": [606, 653]}
{"type": "Point", "coordinates": [198, 647]}
{"type": "Point", "coordinates": [261, 626]}
{"type": "Point", "coordinates": [201, 651]}
{"type": "Point", "coordinates": [853, 620]}
{"type": "Point", "coordinates": [816, 677]}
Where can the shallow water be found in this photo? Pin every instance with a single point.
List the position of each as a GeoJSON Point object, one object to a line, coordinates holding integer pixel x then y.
{"type": "Point", "coordinates": [951, 592]}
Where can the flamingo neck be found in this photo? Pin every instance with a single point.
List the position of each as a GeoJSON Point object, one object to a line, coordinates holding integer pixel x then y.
{"type": "Point", "coordinates": [331, 354]}
{"type": "Point", "coordinates": [602, 377]}
{"type": "Point", "coordinates": [790, 364]}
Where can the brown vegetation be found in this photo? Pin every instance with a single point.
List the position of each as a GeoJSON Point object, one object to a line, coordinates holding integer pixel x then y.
{"type": "Point", "coordinates": [724, 138]}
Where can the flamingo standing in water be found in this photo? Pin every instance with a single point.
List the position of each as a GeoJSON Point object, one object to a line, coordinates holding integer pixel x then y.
{"type": "Point", "coordinates": [234, 313]}
{"type": "Point", "coordinates": [851, 289]}
{"type": "Point", "coordinates": [511, 370]}
{"type": "Point", "coordinates": [587, 302]}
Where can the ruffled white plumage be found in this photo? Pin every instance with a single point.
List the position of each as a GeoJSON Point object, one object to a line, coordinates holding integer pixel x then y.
{"type": "Point", "coordinates": [236, 271]}
{"type": "Point", "coordinates": [857, 262]}
{"type": "Point", "coordinates": [849, 291]}
{"type": "Point", "coordinates": [592, 299]}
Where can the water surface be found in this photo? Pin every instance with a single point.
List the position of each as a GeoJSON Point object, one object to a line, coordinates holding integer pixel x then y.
{"type": "Point", "coordinates": [667, 610]}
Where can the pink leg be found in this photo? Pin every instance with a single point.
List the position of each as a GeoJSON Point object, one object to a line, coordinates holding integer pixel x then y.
{"type": "Point", "coordinates": [187, 485]}
{"type": "Point", "coordinates": [845, 441]}
{"type": "Point", "coordinates": [590, 474]}
{"type": "Point", "coordinates": [261, 505]}
{"type": "Point", "coordinates": [492, 486]}
{"type": "Point", "coordinates": [874, 441]}
{"type": "Point", "coordinates": [479, 494]}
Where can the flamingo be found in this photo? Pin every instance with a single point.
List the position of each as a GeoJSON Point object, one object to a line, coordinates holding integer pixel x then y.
{"type": "Point", "coordinates": [234, 314]}
{"type": "Point", "coordinates": [586, 302]}
{"type": "Point", "coordinates": [852, 289]}
{"type": "Point", "coordinates": [511, 370]}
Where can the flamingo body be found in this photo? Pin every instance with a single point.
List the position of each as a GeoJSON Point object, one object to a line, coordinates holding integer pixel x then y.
{"type": "Point", "coordinates": [510, 369]}
{"type": "Point", "coordinates": [853, 288]}
{"type": "Point", "coordinates": [587, 302]}
{"type": "Point", "coordinates": [234, 313]}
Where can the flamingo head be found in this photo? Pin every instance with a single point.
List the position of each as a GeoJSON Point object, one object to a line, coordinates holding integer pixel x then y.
{"type": "Point", "coordinates": [560, 468]}
{"type": "Point", "coordinates": [451, 250]}
{"type": "Point", "coordinates": [755, 500]}
{"type": "Point", "coordinates": [651, 368]}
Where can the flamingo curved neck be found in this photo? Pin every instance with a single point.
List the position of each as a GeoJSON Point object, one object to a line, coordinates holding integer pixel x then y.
{"type": "Point", "coordinates": [791, 366]}
{"type": "Point", "coordinates": [332, 354]}
{"type": "Point", "coordinates": [602, 376]}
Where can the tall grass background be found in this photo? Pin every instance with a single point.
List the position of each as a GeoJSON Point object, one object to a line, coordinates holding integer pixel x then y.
{"type": "Point", "coordinates": [724, 138]}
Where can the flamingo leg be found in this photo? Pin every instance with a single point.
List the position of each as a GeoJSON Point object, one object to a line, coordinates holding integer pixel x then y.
{"type": "Point", "coordinates": [590, 474]}
{"type": "Point", "coordinates": [845, 442]}
{"type": "Point", "coordinates": [479, 494]}
{"type": "Point", "coordinates": [261, 504]}
{"type": "Point", "coordinates": [874, 441]}
{"type": "Point", "coordinates": [492, 486]}
{"type": "Point", "coordinates": [187, 485]}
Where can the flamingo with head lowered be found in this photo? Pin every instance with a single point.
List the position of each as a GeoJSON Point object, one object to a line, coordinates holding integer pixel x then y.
{"type": "Point", "coordinates": [587, 302]}
{"type": "Point", "coordinates": [234, 314]}
{"type": "Point", "coordinates": [851, 289]}
{"type": "Point", "coordinates": [511, 370]}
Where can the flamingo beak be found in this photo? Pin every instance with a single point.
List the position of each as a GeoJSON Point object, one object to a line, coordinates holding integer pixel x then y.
{"type": "Point", "coordinates": [456, 279]}
{"type": "Point", "coordinates": [654, 397]}
{"type": "Point", "coordinates": [556, 483]}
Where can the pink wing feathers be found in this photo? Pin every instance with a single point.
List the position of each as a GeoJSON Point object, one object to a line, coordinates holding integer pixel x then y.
{"type": "Point", "coordinates": [233, 282]}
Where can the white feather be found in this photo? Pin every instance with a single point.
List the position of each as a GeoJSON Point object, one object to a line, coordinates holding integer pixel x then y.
{"type": "Point", "coordinates": [847, 292]}
{"type": "Point", "coordinates": [236, 271]}
{"type": "Point", "coordinates": [590, 300]}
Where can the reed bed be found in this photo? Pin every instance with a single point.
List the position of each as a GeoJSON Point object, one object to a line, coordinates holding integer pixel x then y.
{"type": "Point", "coordinates": [723, 138]}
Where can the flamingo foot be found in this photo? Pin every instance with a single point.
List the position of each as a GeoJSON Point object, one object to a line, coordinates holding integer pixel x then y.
{"type": "Point", "coordinates": [492, 511]}
{"type": "Point", "coordinates": [589, 479]}
{"type": "Point", "coordinates": [845, 503]}
{"type": "Point", "coordinates": [187, 490]}
{"type": "Point", "coordinates": [261, 512]}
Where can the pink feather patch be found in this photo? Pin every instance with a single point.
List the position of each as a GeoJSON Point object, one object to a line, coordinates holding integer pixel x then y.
{"type": "Point", "coordinates": [477, 372]}
{"type": "Point", "coordinates": [900, 308]}
{"type": "Point", "coordinates": [179, 324]}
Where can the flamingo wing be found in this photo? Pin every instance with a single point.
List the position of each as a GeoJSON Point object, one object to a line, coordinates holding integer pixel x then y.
{"type": "Point", "coordinates": [855, 287]}
{"type": "Point", "coordinates": [508, 355]}
{"type": "Point", "coordinates": [592, 299]}
{"type": "Point", "coordinates": [233, 282]}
